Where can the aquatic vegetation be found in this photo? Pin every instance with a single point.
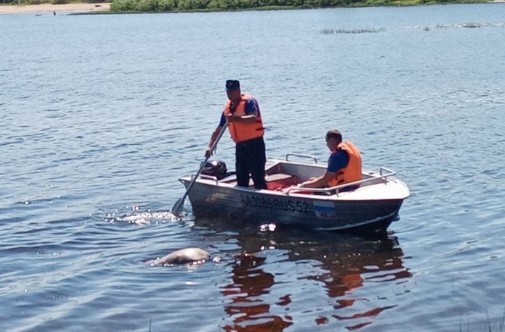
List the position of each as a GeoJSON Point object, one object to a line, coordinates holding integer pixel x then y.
{"type": "Point", "coordinates": [472, 25]}
{"type": "Point", "coordinates": [344, 31]}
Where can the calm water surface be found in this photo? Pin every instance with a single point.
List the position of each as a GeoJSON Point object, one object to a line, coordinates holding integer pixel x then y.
{"type": "Point", "coordinates": [102, 114]}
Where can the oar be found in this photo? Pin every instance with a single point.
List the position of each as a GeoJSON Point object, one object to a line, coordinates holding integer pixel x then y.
{"type": "Point", "coordinates": [179, 205]}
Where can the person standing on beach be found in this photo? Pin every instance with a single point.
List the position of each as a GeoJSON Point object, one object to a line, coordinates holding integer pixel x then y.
{"type": "Point", "coordinates": [243, 117]}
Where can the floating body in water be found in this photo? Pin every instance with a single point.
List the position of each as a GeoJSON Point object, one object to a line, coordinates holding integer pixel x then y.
{"type": "Point", "coordinates": [183, 256]}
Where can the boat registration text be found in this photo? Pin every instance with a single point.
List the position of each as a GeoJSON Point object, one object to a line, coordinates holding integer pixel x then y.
{"type": "Point", "coordinates": [267, 203]}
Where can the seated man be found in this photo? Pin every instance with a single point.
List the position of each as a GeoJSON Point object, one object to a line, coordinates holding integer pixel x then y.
{"type": "Point", "coordinates": [344, 164]}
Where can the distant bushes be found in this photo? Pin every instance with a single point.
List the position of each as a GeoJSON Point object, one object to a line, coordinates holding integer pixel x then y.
{"type": "Point", "coordinates": [22, 2]}
{"type": "Point", "coordinates": [185, 5]}
{"type": "Point", "coordinates": [216, 5]}
{"type": "Point", "coordinates": [213, 5]}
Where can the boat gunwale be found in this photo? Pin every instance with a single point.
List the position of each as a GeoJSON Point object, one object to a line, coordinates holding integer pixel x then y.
{"type": "Point", "coordinates": [330, 193]}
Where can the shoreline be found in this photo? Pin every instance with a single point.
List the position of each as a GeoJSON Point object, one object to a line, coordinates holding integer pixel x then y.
{"type": "Point", "coordinates": [52, 9]}
{"type": "Point", "coordinates": [47, 8]}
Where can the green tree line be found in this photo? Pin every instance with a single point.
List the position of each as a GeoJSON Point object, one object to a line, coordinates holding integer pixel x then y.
{"type": "Point", "coordinates": [217, 5]}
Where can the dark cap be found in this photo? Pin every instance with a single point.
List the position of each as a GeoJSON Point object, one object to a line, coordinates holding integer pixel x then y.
{"type": "Point", "coordinates": [232, 85]}
{"type": "Point", "coordinates": [334, 133]}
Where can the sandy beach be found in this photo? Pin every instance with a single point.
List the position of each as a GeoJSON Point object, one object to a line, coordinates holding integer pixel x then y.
{"type": "Point", "coordinates": [50, 8]}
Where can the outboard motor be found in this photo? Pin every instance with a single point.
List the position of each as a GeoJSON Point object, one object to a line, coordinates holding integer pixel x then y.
{"type": "Point", "coordinates": [215, 168]}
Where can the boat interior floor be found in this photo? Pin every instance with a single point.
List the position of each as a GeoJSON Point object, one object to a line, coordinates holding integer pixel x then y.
{"type": "Point", "coordinates": [276, 181]}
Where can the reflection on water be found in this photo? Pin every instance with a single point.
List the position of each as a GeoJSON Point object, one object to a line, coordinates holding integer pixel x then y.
{"type": "Point", "coordinates": [245, 304]}
{"type": "Point", "coordinates": [342, 268]}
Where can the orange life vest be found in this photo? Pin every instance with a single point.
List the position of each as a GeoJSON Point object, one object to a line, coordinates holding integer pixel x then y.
{"type": "Point", "coordinates": [240, 131]}
{"type": "Point", "coordinates": [352, 172]}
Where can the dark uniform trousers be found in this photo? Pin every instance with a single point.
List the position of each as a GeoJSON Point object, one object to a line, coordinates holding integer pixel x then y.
{"type": "Point", "coordinates": [250, 159]}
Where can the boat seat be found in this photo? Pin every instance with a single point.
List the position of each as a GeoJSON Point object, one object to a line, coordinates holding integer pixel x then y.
{"type": "Point", "coordinates": [280, 180]}
{"type": "Point", "coordinates": [275, 181]}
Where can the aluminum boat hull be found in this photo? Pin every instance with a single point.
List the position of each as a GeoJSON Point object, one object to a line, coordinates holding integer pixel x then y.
{"type": "Point", "coordinates": [369, 209]}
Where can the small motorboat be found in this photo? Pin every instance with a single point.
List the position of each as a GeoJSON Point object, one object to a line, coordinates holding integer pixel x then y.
{"type": "Point", "coordinates": [367, 206]}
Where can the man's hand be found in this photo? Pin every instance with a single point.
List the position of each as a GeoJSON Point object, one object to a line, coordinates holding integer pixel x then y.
{"type": "Point", "coordinates": [293, 187]}
{"type": "Point", "coordinates": [208, 153]}
{"type": "Point", "coordinates": [241, 118]}
{"type": "Point", "coordinates": [232, 118]}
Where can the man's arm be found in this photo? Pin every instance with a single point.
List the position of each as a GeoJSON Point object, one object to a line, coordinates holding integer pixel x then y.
{"type": "Point", "coordinates": [319, 182]}
{"type": "Point", "coordinates": [209, 151]}
{"type": "Point", "coordinates": [336, 162]}
{"type": "Point", "coordinates": [213, 136]}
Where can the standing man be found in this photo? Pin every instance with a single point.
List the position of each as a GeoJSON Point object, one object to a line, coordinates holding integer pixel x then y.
{"type": "Point", "coordinates": [243, 117]}
{"type": "Point", "coordinates": [344, 163]}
